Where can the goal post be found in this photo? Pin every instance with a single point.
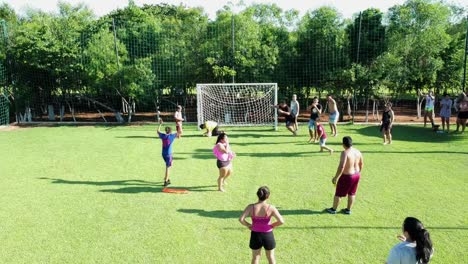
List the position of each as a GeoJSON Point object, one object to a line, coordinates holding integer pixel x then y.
{"type": "Point", "coordinates": [238, 104]}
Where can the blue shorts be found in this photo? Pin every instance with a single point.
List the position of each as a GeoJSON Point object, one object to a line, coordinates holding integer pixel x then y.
{"type": "Point", "coordinates": [312, 124]}
{"type": "Point", "coordinates": [333, 117]}
{"type": "Point", "coordinates": [168, 160]}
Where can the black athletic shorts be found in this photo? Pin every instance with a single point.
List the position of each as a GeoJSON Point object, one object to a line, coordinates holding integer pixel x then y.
{"type": "Point", "coordinates": [385, 127]}
{"type": "Point", "coordinates": [262, 239]}
{"type": "Point", "coordinates": [221, 164]}
{"type": "Point", "coordinates": [462, 115]}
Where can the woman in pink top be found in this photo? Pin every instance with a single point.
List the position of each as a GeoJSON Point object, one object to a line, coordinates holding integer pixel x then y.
{"type": "Point", "coordinates": [261, 234]}
{"type": "Point", "coordinates": [224, 155]}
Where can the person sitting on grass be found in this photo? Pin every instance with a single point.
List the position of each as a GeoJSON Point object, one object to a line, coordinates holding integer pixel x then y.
{"type": "Point", "coordinates": [167, 140]}
{"type": "Point", "coordinates": [322, 136]}
{"type": "Point", "coordinates": [261, 234]}
{"type": "Point", "coordinates": [211, 127]}
{"type": "Point", "coordinates": [416, 246]}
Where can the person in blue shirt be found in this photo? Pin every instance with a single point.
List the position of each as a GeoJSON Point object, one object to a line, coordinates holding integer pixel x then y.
{"type": "Point", "coordinates": [167, 140]}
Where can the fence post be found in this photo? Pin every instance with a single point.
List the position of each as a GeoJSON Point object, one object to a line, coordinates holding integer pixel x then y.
{"type": "Point", "coordinates": [233, 47]}
{"type": "Point", "coordinates": [357, 61]}
{"type": "Point", "coordinates": [464, 63]}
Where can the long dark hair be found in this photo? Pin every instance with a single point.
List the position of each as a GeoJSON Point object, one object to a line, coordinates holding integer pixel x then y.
{"type": "Point", "coordinates": [263, 193]}
{"type": "Point", "coordinates": [421, 236]}
{"type": "Point", "coordinates": [220, 137]}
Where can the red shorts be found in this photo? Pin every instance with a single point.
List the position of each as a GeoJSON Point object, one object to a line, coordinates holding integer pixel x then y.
{"type": "Point", "coordinates": [347, 185]}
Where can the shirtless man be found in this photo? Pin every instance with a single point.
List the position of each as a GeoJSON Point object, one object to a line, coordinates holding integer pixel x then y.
{"type": "Point", "coordinates": [178, 120]}
{"type": "Point", "coordinates": [334, 114]}
{"type": "Point", "coordinates": [347, 176]}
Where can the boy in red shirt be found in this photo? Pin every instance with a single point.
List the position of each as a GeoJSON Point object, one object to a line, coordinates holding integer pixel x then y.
{"type": "Point", "coordinates": [322, 136]}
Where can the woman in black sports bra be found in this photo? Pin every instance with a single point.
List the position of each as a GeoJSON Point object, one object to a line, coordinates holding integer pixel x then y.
{"type": "Point", "coordinates": [386, 123]}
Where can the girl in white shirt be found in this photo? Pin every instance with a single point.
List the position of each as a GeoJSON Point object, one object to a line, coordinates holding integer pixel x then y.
{"type": "Point", "coordinates": [416, 246]}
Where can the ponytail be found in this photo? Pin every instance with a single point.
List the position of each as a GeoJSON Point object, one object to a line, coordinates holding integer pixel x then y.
{"type": "Point", "coordinates": [423, 246]}
{"type": "Point", "coordinates": [421, 236]}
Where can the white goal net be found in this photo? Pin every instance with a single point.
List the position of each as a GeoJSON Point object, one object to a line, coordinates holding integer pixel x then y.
{"type": "Point", "coordinates": [238, 104]}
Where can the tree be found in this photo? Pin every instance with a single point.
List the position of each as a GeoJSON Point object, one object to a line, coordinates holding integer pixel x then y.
{"type": "Point", "coordinates": [320, 48]}
{"type": "Point", "coordinates": [417, 36]}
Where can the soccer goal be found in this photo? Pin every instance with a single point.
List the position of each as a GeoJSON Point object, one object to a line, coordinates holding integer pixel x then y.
{"type": "Point", "coordinates": [238, 104]}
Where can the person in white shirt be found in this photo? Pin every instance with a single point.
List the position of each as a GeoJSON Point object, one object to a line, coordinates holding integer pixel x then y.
{"type": "Point", "coordinates": [446, 111]}
{"type": "Point", "coordinates": [416, 246]}
{"type": "Point", "coordinates": [429, 108]}
{"type": "Point", "coordinates": [295, 110]}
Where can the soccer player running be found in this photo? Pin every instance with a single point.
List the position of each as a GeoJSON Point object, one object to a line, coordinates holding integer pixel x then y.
{"type": "Point", "coordinates": [322, 136]}
{"type": "Point", "coordinates": [386, 123]}
{"type": "Point", "coordinates": [347, 176]}
{"type": "Point", "coordinates": [295, 110]}
{"type": "Point", "coordinates": [167, 140]}
{"type": "Point", "coordinates": [315, 111]}
{"type": "Point", "coordinates": [334, 115]}
{"type": "Point", "coordinates": [178, 120]}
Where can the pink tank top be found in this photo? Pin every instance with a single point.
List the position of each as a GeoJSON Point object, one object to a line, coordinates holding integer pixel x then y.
{"type": "Point", "coordinates": [220, 155]}
{"type": "Point", "coordinates": [261, 223]}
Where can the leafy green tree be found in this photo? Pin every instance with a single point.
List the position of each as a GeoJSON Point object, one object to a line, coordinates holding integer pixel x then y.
{"type": "Point", "coordinates": [320, 48]}
{"type": "Point", "coordinates": [417, 36]}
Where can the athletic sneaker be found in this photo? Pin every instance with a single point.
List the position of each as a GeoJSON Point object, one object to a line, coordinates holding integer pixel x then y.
{"type": "Point", "coordinates": [346, 211]}
{"type": "Point", "coordinates": [166, 183]}
{"type": "Point", "coordinates": [330, 210]}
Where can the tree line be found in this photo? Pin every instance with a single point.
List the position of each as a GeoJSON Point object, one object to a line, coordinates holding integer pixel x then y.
{"type": "Point", "coordinates": [139, 55]}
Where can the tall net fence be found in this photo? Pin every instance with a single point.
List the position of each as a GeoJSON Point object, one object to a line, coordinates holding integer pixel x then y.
{"type": "Point", "coordinates": [134, 62]}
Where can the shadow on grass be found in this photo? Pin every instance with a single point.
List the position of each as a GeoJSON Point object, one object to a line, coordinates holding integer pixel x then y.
{"type": "Point", "coordinates": [237, 214]}
{"type": "Point", "coordinates": [448, 228]}
{"type": "Point", "coordinates": [133, 186]}
{"type": "Point", "coordinates": [208, 156]}
{"type": "Point", "coordinates": [417, 152]}
{"type": "Point", "coordinates": [103, 183]}
{"type": "Point", "coordinates": [411, 133]}
{"type": "Point", "coordinates": [156, 137]}
{"type": "Point", "coordinates": [131, 190]}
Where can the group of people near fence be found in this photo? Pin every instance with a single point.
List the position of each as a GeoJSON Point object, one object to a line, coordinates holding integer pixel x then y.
{"type": "Point", "coordinates": [460, 105]}
{"type": "Point", "coordinates": [416, 245]}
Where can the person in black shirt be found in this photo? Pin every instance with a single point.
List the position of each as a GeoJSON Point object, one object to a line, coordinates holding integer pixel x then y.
{"type": "Point", "coordinates": [285, 111]}
{"type": "Point", "coordinates": [315, 111]}
{"type": "Point", "coordinates": [386, 123]}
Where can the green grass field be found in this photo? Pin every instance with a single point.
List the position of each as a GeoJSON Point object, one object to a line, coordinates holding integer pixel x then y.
{"type": "Point", "coordinates": [93, 195]}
